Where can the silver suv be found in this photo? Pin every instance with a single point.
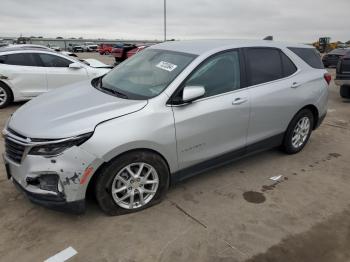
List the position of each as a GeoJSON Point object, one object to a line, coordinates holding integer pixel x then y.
{"type": "Point", "coordinates": [170, 112]}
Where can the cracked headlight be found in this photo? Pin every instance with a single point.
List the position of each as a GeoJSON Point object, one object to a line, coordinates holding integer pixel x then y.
{"type": "Point", "coordinates": [52, 149]}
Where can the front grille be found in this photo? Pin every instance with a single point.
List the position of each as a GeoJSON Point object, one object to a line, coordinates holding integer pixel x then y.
{"type": "Point", "coordinates": [13, 150]}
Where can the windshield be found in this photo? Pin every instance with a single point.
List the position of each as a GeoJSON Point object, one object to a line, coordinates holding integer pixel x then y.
{"type": "Point", "coordinates": [146, 74]}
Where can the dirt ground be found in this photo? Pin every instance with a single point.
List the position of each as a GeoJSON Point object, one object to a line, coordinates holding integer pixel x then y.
{"type": "Point", "coordinates": [234, 213]}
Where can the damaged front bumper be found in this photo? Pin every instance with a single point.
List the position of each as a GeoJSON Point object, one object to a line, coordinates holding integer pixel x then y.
{"type": "Point", "coordinates": [58, 182]}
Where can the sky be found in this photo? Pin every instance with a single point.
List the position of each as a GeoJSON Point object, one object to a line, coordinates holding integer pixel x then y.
{"type": "Point", "coordinates": [287, 20]}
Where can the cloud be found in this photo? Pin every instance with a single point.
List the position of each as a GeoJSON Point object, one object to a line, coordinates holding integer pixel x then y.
{"type": "Point", "coordinates": [298, 20]}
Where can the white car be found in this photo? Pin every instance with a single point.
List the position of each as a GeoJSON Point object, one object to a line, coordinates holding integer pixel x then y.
{"type": "Point", "coordinates": [27, 73]}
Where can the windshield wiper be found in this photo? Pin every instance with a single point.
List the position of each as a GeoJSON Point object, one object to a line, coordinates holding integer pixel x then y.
{"type": "Point", "coordinates": [112, 91]}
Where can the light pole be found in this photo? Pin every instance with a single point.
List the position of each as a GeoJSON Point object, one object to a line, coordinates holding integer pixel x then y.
{"type": "Point", "coordinates": [164, 20]}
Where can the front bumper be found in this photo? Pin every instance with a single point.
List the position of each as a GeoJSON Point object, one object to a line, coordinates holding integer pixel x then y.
{"type": "Point", "coordinates": [53, 202]}
{"type": "Point", "coordinates": [69, 169]}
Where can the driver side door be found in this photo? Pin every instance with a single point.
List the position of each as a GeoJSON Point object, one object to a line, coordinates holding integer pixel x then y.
{"type": "Point", "coordinates": [58, 71]}
{"type": "Point", "coordinates": [216, 124]}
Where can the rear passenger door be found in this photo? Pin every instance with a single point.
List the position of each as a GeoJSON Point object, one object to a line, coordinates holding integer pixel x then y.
{"type": "Point", "coordinates": [274, 96]}
{"type": "Point", "coordinates": [24, 74]}
{"type": "Point", "coordinates": [58, 71]}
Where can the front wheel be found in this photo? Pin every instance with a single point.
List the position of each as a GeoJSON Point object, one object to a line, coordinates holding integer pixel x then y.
{"type": "Point", "coordinates": [132, 182]}
{"type": "Point", "coordinates": [298, 132]}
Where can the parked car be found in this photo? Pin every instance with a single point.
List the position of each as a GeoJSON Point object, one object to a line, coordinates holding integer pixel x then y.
{"type": "Point", "coordinates": [56, 48]}
{"type": "Point", "coordinates": [90, 47]}
{"type": "Point", "coordinates": [135, 50]}
{"type": "Point", "coordinates": [29, 46]}
{"type": "Point", "coordinates": [75, 48]}
{"type": "Point", "coordinates": [120, 51]}
{"type": "Point", "coordinates": [67, 53]}
{"type": "Point", "coordinates": [27, 73]}
{"type": "Point", "coordinates": [105, 49]}
{"type": "Point", "coordinates": [343, 76]}
{"type": "Point", "coordinates": [332, 58]}
{"type": "Point", "coordinates": [168, 113]}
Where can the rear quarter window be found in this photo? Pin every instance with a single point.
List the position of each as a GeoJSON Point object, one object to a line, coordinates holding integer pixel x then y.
{"type": "Point", "coordinates": [309, 55]}
{"type": "Point", "coordinates": [264, 65]}
{"type": "Point", "coordinates": [19, 59]}
{"type": "Point", "coordinates": [288, 66]}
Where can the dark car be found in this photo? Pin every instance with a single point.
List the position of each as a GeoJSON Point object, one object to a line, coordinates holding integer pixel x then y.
{"type": "Point", "coordinates": [343, 76]}
{"type": "Point", "coordinates": [120, 51]}
{"type": "Point", "coordinates": [332, 58]}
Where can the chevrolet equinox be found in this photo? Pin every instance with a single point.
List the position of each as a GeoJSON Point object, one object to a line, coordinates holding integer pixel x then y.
{"type": "Point", "coordinates": [168, 113]}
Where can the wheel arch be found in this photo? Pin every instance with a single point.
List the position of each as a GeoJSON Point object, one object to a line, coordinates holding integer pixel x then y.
{"type": "Point", "coordinates": [92, 181]}
{"type": "Point", "coordinates": [6, 85]}
{"type": "Point", "coordinates": [314, 112]}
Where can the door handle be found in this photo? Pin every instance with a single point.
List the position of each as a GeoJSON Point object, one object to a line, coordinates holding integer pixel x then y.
{"type": "Point", "coordinates": [239, 101]}
{"type": "Point", "coordinates": [295, 85]}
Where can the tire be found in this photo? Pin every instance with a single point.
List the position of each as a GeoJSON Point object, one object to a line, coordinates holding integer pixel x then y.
{"type": "Point", "coordinates": [6, 96]}
{"type": "Point", "coordinates": [116, 171]}
{"type": "Point", "coordinates": [291, 145]}
{"type": "Point", "coordinates": [345, 91]}
{"type": "Point", "coordinates": [107, 53]}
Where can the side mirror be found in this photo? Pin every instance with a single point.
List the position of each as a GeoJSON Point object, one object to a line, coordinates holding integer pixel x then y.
{"type": "Point", "coordinates": [75, 66]}
{"type": "Point", "coordinates": [191, 93]}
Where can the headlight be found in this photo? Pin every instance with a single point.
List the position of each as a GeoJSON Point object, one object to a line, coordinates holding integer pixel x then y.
{"type": "Point", "coordinates": [53, 149]}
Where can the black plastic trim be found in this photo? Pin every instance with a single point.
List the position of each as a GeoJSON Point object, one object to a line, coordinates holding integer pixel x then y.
{"type": "Point", "coordinates": [227, 158]}
{"type": "Point", "coordinates": [57, 203]}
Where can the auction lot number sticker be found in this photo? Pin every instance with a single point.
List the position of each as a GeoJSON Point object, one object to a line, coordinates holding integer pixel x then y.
{"type": "Point", "coordinates": [166, 66]}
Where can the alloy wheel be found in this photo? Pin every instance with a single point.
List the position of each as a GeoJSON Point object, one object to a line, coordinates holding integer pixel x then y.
{"type": "Point", "coordinates": [135, 185]}
{"type": "Point", "coordinates": [301, 132]}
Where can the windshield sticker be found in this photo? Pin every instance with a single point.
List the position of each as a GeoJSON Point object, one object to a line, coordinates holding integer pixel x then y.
{"type": "Point", "coordinates": [166, 66]}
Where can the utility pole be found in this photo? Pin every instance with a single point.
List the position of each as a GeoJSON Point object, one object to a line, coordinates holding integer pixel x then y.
{"type": "Point", "coordinates": [164, 20]}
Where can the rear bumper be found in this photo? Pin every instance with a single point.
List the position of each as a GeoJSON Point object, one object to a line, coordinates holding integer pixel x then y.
{"type": "Point", "coordinates": [342, 82]}
{"type": "Point", "coordinates": [53, 202]}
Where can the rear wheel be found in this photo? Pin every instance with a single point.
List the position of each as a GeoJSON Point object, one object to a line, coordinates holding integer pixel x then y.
{"type": "Point", "coordinates": [6, 96]}
{"type": "Point", "coordinates": [132, 182]}
{"type": "Point", "coordinates": [298, 132]}
{"type": "Point", "coordinates": [345, 91]}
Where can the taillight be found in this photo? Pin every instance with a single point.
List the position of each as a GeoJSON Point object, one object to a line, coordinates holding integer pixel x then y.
{"type": "Point", "coordinates": [327, 77]}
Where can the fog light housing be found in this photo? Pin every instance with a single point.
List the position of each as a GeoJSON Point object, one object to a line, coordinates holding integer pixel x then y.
{"type": "Point", "coordinates": [48, 182]}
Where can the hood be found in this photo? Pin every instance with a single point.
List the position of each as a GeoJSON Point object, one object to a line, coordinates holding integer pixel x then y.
{"type": "Point", "coordinates": [69, 111]}
{"type": "Point", "coordinates": [96, 64]}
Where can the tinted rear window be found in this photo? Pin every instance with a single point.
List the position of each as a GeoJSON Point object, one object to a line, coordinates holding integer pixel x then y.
{"type": "Point", "coordinates": [264, 65]}
{"type": "Point", "coordinates": [309, 55]}
{"type": "Point", "coordinates": [24, 59]}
